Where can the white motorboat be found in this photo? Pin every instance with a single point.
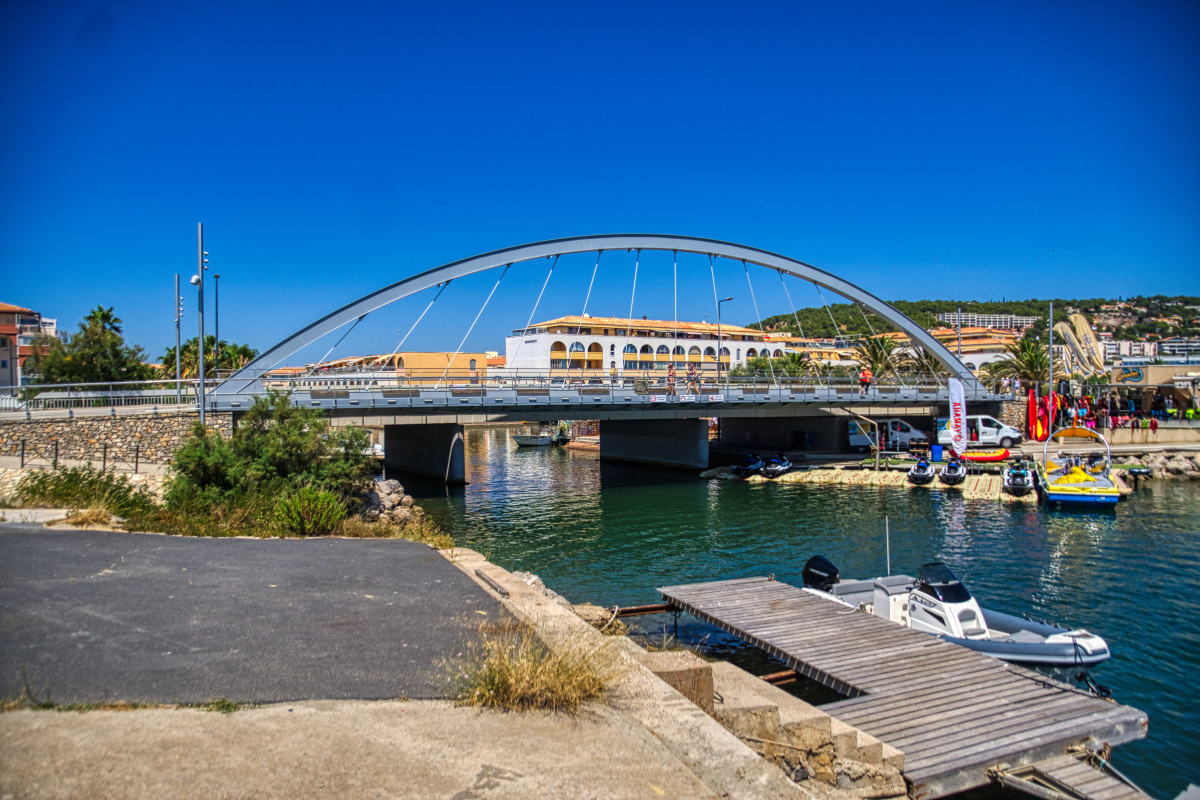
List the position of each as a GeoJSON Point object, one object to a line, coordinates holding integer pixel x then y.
{"type": "Point", "coordinates": [539, 440]}
{"type": "Point", "coordinates": [937, 603]}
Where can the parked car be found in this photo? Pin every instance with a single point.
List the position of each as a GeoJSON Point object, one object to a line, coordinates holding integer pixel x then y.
{"type": "Point", "coordinates": [981, 430]}
{"type": "Point", "coordinates": [900, 435]}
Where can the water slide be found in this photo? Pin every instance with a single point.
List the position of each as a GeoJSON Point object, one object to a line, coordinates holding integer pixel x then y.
{"type": "Point", "coordinates": [1083, 365]}
{"type": "Point", "coordinates": [1087, 339]}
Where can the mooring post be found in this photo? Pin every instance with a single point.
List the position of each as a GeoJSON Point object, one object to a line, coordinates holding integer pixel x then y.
{"type": "Point", "coordinates": [22, 454]}
{"type": "Point", "coordinates": [137, 449]}
{"type": "Point", "coordinates": [56, 453]}
{"type": "Point", "coordinates": [104, 458]}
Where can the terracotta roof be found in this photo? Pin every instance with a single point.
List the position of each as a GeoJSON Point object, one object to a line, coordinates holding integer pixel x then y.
{"type": "Point", "coordinates": [655, 324]}
{"type": "Point", "coordinates": [11, 309]}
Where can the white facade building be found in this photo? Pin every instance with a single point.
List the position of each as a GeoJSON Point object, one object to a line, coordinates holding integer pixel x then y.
{"type": "Point", "coordinates": [1122, 349]}
{"type": "Point", "coordinates": [605, 344]}
{"type": "Point", "coordinates": [1006, 321]}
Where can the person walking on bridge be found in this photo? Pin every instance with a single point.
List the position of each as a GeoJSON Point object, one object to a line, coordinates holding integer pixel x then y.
{"type": "Point", "coordinates": [864, 381]}
{"type": "Point", "coordinates": [671, 380]}
{"type": "Point", "coordinates": [693, 380]}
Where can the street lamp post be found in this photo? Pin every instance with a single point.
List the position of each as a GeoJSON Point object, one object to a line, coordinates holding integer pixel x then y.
{"type": "Point", "coordinates": [726, 300]}
{"type": "Point", "coordinates": [178, 317]}
{"type": "Point", "coordinates": [198, 282]}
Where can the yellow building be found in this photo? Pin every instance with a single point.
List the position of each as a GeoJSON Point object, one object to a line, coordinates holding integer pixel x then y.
{"type": "Point", "coordinates": [389, 368]}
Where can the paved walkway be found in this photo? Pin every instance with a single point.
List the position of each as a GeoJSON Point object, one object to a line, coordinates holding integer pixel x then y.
{"type": "Point", "coordinates": [93, 615]}
{"type": "Point", "coordinates": [322, 749]}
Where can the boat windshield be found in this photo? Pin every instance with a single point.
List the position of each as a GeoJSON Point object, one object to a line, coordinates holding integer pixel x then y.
{"type": "Point", "coordinates": [937, 579]}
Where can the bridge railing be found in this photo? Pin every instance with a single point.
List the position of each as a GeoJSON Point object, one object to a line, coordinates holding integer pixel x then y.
{"type": "Point", "coordinates": [99, 397]}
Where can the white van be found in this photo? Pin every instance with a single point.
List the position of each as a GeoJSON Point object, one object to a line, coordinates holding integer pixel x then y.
{"type": "Point", "coordinates": [981, 431]}
{"type": "Point", "coordinates": [900, 435]}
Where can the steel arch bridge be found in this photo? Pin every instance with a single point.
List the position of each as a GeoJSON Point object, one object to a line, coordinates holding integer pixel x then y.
{"type": "Point", "coordinates": [247, 380]}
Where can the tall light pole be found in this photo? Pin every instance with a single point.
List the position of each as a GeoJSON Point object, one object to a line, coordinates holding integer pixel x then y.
{"type": "Point", "coordinates": [726, 300]}
{"type": "Point", "coordinates": [178, 316]}
{"type": "Point", "coordinates": [1050, 350]}
{"type": "Point", "coordinates": [198, 282]}
{"type": "Point", "coordinates": [216, 322]}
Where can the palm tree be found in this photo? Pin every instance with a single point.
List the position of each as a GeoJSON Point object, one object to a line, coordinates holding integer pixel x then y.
{"type": "Point", "coordinates": [1027, 359]}
{"type": "Point", "coordinates": [922, 362]}
{"type": "Point", "coordinates": [103, 319]}
{"type": "Point", "coordinates": [877, 353]}
{"type": "Point", "coordinates": [233, 356]}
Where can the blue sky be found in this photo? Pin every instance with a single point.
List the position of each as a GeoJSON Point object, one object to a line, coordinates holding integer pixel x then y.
{"type": "Point", "coordinates": [946, 150]}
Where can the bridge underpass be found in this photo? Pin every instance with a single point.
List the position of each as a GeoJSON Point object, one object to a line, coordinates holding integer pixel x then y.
{"type": "Point", "coordinates": [670, 435]}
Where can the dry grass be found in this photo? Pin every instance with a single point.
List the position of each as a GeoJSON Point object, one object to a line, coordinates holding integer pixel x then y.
{"type": "Point", "coordinates": [420, 529]}
{"type": "Point", "coordinates": [86, 518]}
{"type": "Point", "coordinates": [510, 669]}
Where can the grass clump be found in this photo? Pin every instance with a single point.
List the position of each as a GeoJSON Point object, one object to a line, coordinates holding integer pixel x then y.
{"type": "Point", "coordinates": [310, 512]}
{"type": "Point", "coordinates": [83, 487]}
{"type": "Point", "coordinates": [420, 529]}
{"type": "Point", "coordinates": [510, 669]}
{"type": "Point", "coordinates": [84, 518]}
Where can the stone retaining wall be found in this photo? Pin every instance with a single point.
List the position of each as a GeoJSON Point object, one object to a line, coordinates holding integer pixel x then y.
{"type": "Point", "coordinates": [151, 438]}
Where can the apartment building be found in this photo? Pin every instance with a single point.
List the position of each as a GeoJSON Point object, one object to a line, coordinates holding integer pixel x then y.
{"type": "Point", "coordinates": [19, 327]}
{"type": "Point", "coordinates": [1009, 322]}
{"type": "Point", "coordinates": [1188, 347]}
{"type": "Point", "coordinates": [1120, 349]}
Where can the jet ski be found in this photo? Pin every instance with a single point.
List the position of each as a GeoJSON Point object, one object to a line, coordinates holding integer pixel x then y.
{"type": "Point", "coordinates": [937, 603]}
{"type": "Point", "coordinates": [750, 465]}
{"type": "Point", "coordinates": [1018, 479]}
{"type": "Point", "coordinates": [921, 474]}
{"type": "Point", "coordinates": [953, 473]}
{"type": "Point", "coordinates": [778, 465]}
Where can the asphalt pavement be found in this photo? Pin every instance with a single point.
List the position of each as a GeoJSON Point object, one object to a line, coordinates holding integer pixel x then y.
{"type": "Point", "coordinates": [97, 615]}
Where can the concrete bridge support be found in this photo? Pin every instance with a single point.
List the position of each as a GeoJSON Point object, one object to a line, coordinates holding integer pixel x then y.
{"type": "Point", "coordinates": [670, 442]}
{"type": "Point", "coordinates": [431, 449]}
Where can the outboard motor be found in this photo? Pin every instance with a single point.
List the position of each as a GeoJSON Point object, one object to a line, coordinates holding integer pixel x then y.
{"type": "Point", "coordinates": [820, 573]}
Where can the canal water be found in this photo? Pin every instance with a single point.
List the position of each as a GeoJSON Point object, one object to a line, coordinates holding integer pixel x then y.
{"type": "Point", "coordinates": [609, 534]}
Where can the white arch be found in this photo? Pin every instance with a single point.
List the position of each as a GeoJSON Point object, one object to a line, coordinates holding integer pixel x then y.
{"type": "Point", "coordinates": [247, 378]}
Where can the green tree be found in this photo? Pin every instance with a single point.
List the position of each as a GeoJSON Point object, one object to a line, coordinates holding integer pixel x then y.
{"type": "Point", "coordinates": [1027, 359]}
{"type": "Point", "coordinates": [878, 353]}
{"type": "Point", "coordinates": [97, 353]}
{"type": "Point", "coordinates": [233, 356]}
{"type": "Point", "coordinates": [277, 447]}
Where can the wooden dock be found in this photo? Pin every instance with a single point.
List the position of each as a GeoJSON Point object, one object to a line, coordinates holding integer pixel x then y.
{"type": "Point", "coordinates": [954, 713]}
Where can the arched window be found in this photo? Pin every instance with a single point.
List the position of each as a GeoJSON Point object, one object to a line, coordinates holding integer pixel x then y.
{"type": "Point", "coordinates": [679, 351]}
{"type": "Point", "coordinates": [663, 350]}
{"type": "Point", "coordinates": [693, 351]}
{"type": "Point", "coordinates": [558, 347]}
{"type": "Point", "coordinates": [725, 351]}
{"type": "Point", "coordinates": [472, 365]}
{"type": "Point", "coordinates": [647, 350]}
{"type": "Point", "coordinates": [595, 347]}
{"type": "Point", "coordinates": [710, 353]}
{"type": "Point", "coordinates": [738, 357]}
{"type": "Point", "coordinates": [751, 353]}
{"type": "Point", "coordinates": [558, 356]}
{"type": "Point", "coordinates": [630, 349]}
{"type": "Point", "coordinates": [576, 347]}
{"type": "Point", "coordinates": [612, 365]}
{"type": "Point", "coordinates": [778, 354]}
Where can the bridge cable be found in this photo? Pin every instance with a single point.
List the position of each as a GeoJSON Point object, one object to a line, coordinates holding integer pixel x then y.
{"type": "Point", "coordinates": [535, 307]}
{"type": "Point", "coordinates": [791, 305]}
{"type": "Point", "coordinates": [418, 322]}
{"type": "Point", "coordinates": [629, 322]}
{"type": "Point", "coordinates": [339, 341]}
{"type": "Point", "coordinates": [871, 328]}
{"type": "Point", "coordinates": [477, 316]}
{"type": "Point", "coordinates": [579, 327]}
{"type": "Point", "coordinates": [751, 285]}
{"type": "Point", "coordinates": [828, 311]}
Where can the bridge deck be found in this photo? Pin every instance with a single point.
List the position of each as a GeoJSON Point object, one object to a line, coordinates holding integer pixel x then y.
{"type": "Point", "coordinates": [952, 712]}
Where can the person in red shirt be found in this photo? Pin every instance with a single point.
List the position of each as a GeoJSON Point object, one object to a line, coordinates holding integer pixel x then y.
{"type": "Point", "coordinates": [864, 381]}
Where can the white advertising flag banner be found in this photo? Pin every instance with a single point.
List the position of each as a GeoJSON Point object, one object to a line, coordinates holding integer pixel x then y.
{"type": "Point", "coordinates": [958, 417]}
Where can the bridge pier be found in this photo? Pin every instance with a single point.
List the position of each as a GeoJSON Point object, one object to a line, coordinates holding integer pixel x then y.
{"type": "Point", "coordinates": [431, 449]}
{"type": "Point", "coordinates": [669, 442]}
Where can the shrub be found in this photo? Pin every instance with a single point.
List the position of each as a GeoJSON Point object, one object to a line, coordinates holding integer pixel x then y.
{"type": "Point", "coordinates": [510, 669]}
{"type": "Point", "coordinates": [277, 448]}
{"type": "Point", "coordinates": [83, 487]}
{"type": "Point", "coordinates": [311, 512]}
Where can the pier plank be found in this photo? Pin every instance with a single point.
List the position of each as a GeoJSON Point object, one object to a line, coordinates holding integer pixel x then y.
{"type": "Point", "coordinates": [953, 712]}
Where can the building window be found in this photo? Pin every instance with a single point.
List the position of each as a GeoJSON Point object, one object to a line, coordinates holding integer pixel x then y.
{"type": "Point", "coordinates": [778, 354]}
{"type": "Point", "coordinates": [612, 365]}
{"type": "Point", "coordinates": [612, 349]}
{"type": "Point", "coordinates": [739, 354]}
{"type": "Point", "coordinates": [472, 365]}
{"type": "Point", "coordinates": [576, 347]}
{"type": "Point", "coordinates": [725, 351]}
{"type": "Point", "coordinates": [710, 353]}
{"type": "Point", "coordinates": [663, 350]}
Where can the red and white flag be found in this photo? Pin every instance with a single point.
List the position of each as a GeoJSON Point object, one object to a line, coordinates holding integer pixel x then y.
{"type": "Point", "coordinates": [958, 417]}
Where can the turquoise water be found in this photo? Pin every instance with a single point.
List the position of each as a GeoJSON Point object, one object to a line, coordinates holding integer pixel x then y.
{"type": "Point", "coordinates": [609, 534]}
